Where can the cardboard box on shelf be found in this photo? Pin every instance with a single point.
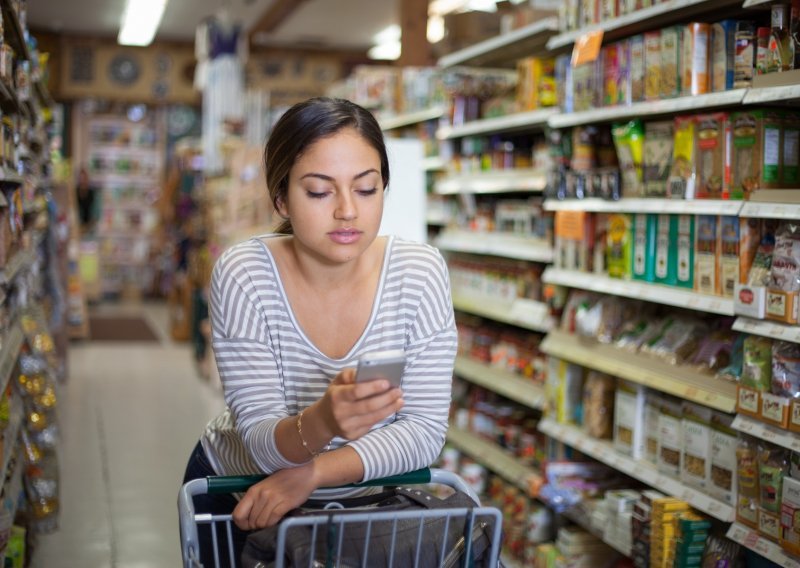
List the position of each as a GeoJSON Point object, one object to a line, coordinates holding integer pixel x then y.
{"type": "Point", "coordinates": [467, 28]}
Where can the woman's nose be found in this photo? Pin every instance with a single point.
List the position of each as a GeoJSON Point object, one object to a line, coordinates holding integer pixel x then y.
{"type": "Point", "coordinates": [345, 207]}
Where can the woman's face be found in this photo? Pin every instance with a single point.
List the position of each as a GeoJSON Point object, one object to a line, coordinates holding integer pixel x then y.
{"type": "Point", "coordinates": [335, 197]}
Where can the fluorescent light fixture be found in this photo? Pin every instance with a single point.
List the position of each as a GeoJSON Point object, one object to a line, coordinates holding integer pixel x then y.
{"type": "Point", "coordinates": [140, 21]}
{"type": "Point", "coordinates": [387, 34]}
{"type": "Point", "coordinates": [389, 50]}
{"type": "Point", "coordinates": [435, 31]}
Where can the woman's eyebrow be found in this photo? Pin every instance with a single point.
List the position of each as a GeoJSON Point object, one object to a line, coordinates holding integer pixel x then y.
{"type": "Point", "coordinates": [329, 178]}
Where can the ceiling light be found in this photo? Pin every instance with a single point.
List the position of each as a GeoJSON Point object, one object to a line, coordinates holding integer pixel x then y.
{"type": "Point", "coordinates": [435, 30]}
{"type": "Point", "coordinates": [387, 34]}
{"type": "Point", "coordinates": [140, 21]}
{"type": "Point", "coordinates": [388, 50]}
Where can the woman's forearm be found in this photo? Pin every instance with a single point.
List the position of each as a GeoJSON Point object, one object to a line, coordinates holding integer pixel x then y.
{"type": "Point", "coordinates": [299, 438]}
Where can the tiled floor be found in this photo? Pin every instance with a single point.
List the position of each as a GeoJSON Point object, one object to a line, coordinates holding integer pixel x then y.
{"type": "Point", "coordinates": [130, 414]}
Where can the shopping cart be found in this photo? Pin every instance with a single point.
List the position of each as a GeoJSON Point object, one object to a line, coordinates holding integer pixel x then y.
{"type": "Point", "coordinates": [476, 520]}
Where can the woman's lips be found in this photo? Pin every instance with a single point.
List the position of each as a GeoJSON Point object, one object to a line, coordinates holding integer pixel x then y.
{"type": "Point", "coordinates": [345, 236]}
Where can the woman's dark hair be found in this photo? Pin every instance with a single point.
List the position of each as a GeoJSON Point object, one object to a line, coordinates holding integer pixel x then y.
{"type": "Point", "coordinates": [304, 124]}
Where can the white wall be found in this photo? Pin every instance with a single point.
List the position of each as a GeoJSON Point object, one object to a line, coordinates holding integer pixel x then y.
{"type": "Point", "coordinates": [405, 205]}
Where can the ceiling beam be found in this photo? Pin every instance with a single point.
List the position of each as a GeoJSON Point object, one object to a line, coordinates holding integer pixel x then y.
{"type": "Point", "coordinates": [277, 13]}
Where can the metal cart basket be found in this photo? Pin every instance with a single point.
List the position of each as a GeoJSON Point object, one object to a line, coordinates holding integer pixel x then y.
{"type": "Point", "coordinates": [450, 552]}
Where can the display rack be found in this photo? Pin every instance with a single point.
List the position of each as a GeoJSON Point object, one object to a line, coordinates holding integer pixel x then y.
{"type": "Point", "coordinates": [521, 312]}
{"type": "Point", "coordinates": [751, 540]}
{"type": "Point", "coordinates": [411, 118]}
{"type": "Point", "coordinates": [580, 517]}
{"type": "Point", "coordinates": [604, 451]}
{"type": "Point", "coordinates": [657, 293]}
{"type": "Point", "coordinates": [495, 244]}
{"type": "Point", "coordinates": [530, 120]}
{"type": "Point", "coordinates": [12, 342]}
{"type": "Point", "coordinates": [649, 109]}
{"type": "Point", "coordinates": [767, 328]}
{"type": "Point", "coordinates": [761, 95]}
{"type": "Point", "coordinates": [500, 50]}
{"type": "Point", "coordinates": [771, 210]}
{"type": "Point", "coordinates": [522, 180]}
{"type": "Point", "coordinates": [502, 382]}
{"type": "Point", "coordinates": [681, 381]}
{"type": "Point", "coordinates": [433, 164]}
{"type": "Point", "coordinates": [18, 262]}
{"type": "Point", "coordinates": [764, 431]}
{"type": "Point", "coordinates": [653, 205]}
{"type": "Point", "coordinates": [496, 459]}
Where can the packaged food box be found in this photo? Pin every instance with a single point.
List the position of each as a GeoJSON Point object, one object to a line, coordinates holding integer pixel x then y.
{"type": "Point", "coordinates": [706, 254]}
{"type": "Point", "coordinates": [644, 247]}
{"type": "Point", "coordinates": [681, 183]}
{"type": "Point", "coordinates": [711, 146]}
{"type": "Point", "coordinates": [724, 439]}
{"type": "Point", "coordinates": [756, 152]}
{"type": "Point", "coordinates": [629, 419]}
{"type": "Point", "coordinates": [684, 237]}
{"type": "Point", "coordinates": [619, 245]}
{"type": "Point", "coordinates": [652, 59]}
{"type": "Point", "coordinates": [723, 55]}
{"type": "Point", "coordinates": [695, 62]}
{"type": "Point", "coordinates": [637, 68]}
{"type": "Point", "coordinates": [658, 142]}
{"type": "Point", "coordinates": [729, 254]}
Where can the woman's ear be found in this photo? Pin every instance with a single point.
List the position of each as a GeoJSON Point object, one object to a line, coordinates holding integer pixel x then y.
{"type": "Point", "coordinates": [280, 207]}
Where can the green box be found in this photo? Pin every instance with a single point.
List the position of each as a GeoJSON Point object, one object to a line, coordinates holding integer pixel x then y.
{"type": "Point", "coordinates": [682, 234]}
{"type": "Point", "coordinates": [644, 247]}
{"type": "Point", "coordinates": [664, 265]}
{"type": "Point", "coordinates": [790, 177]}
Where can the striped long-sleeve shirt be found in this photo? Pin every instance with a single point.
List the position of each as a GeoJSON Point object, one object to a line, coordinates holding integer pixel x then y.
{"type": "Point", "coordinates": [271, 370]}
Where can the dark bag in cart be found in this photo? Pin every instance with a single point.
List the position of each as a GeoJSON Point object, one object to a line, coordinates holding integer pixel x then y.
{"type": "Point", "coordinates": [406, 542]}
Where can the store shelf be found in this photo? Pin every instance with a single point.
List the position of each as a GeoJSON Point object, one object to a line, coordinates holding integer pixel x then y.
{"type": "Point", "coordinates": [528, 314]}
{"type": "Point", "coordinates": [580, 517]}
{"type": "Point", "coordinates": [12, 341]}
{"type": "Point", "coordinates": [509, 385]}
{"type": "Point", "coordinates": [654, 17]}
{"type": "Point", "coordinates": [765, 210]}
{"type": "Point", "coordinates": [534, 119]}
{"type": "Point", "coordinates": [495, 244]}
{"type": "Point", "coordinates": [768, 328]}
{"type": "Point", "coordinates": [433, 164]}
{"type": "Point", "coordinates": [757, 3]}
{"type": "Point", "coordinates": [750, 539]}
{"type": "Point", "coordinates": [505, 49]}
{"type": "Point", "coordinates": [14, 33]}
{"type": "Point", "coordinates": [635, 205]}
{"type": "Point", "coordinates": [500, 181]}
{"type": "Point", "coordinates": [604, 452]}
{"type": "Point", "coordinates": [761, 95]}
{"type": "Point", "coordinates": [496, 459]}
{"type": "Point", "coordinates": [8, 176]}
{"type": "Point", "coordinates": [660, 294]}
{"type": "Point", "coordinates": [678, 380]}
{"type": "Point", "coordinates": [11, 434]}
{"type": "Point", "coordinates": [773, 434]}
{"type": "Point", "coordinates": [411, 118]}
{"type": "Point", "coordinates": [649, 109]}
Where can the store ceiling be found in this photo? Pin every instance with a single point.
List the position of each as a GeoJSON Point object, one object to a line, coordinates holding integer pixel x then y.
{"type": "Point", "coordinates": [327, 24]}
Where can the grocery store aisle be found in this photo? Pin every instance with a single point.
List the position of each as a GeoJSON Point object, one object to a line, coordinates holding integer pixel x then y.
{"type": "Point", "coordinates": [130, 414]}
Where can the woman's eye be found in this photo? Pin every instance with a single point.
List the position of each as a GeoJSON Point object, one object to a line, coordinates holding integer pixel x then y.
{"type": "Point", "coordinates": [316, 194]}
{"type": "Point", "coordinates": [371, 191]}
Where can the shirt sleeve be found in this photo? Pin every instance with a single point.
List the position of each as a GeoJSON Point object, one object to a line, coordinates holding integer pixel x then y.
{"type": "Point", "coordinates": [416, 436]}
{"type": "Point", "coordinates": [246, 361]}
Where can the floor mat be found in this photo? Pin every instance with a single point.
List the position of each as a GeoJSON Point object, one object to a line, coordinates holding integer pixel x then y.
{"type": "Point", "coordinates": [120, 329]}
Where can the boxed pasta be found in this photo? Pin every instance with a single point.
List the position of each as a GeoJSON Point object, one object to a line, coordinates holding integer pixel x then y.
{"type": "Point", "coordinates": [658, 141]}
{"type": "Point", "coordinates": [695, 463]}
{"type": "Point", "coordinates": [790, 176]}
{"type": "Point", "coordinates": [665, 252]}
{"type": "Point", "coordinates": [706, 254]}
{"type": "Point", "coordinates": [729, 254]}
{"type": "Point", "coordinates": [722, 481]}
{"type": "Point", "coordinates": [756, 157]}
{"type": "Point", "coordinates": [723, 55]}
{"type": "Point", "coordinates": [536, 86]}
{"type": "Point", "coordinates": [652, 61]}
{"type": "Point", "coordinates": [670, 437]}
{"type": "Point", "coordinates": [619, 245]}
{"type": "Point", "coordinates": [670, 84]}
{"type": "Point", "coordinates": [629, 419]}
{"type": "Point", "coordinates": [637, 68]}
{"type": "Point", "coordinates": [644, 247]}
{"type": "Point", "coordinates": [684, 237]}
{"type": "Point", "coordinates": [616, 67]}
{"type": "Point", "coordinates": [695, 78]}
{"type": "Point", "coordinates": [790, 515]}
{"type": "Point", "coordinates": [747, 495]}
{"type": "Point", "coordinates": [712, 152]}
{"type": "Point", "coordinates": [652, 410]}
{"type": "Point", "coordinates": [744, 58]}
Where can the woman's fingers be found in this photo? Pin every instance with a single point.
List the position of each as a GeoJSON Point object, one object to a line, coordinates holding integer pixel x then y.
{"type": "Point", "coordinates": [241, 513]}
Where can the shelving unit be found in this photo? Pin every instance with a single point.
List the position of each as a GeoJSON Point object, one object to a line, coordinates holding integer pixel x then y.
{"type": "Point", "coordinates": [500, 181]}
{"type": "Point", "coordinates": [751, 540]}
{"type": "Point", "coordinates": [758, 96]}
{"type": "Point", "coordinates": [635, 205]}
{"type": "Point", "coordinates": [496, 244]}
{"type": "Point", "coordinates": [657, 293]}
{"type": "Point", "coordinates": [604, 452]}
{"type": "Point", "coordinates": [12, 342]}
{"type": "Point", "coordinates": [502, 382]}
{"type": "Point", "coordinates": [649, 109]}
{"type": "Point", "coordinates": [530, 120]}
{"type": "Point", "coordinates": [578, 516]}
{"type": "Point", "coordinates": [767, 328]}
{"type": "Point", "coordinates": [771, 210]}
{"type": "Point", "coordinates": [411, 118]}
{"type": "Point", "coordinates": [496, 459]}
{"type": "Point", "coordinates": [779, 436]}
{"type": "Point", "coordinates": [500, 50]}
{"type": "Point", "coordinates": [18, 262]}
{"type": "Point", "coordinates": [522, 312]}
{"type": "Point", "coordinates": [681, 381]}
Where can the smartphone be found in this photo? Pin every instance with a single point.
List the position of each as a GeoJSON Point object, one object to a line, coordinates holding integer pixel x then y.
{"type": "Point", "coordinates": [387, 365]}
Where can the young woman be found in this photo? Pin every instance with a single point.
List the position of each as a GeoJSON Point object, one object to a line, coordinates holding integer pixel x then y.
{"type": "Point", "coordinates": [292, 312]}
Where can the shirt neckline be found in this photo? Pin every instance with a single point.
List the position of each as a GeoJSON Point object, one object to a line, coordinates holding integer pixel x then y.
{"type": "Point", "coordinates": [296, 324]}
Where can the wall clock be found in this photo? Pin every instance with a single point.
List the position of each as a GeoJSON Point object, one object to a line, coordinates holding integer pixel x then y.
{"type": "Point", "coordinates": [124, 69]}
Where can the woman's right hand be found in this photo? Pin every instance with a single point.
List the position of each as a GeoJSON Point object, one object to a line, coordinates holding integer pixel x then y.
{"type": "Point", "coordinates": [350, 409]}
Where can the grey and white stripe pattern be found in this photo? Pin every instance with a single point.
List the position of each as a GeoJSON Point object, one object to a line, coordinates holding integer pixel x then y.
{"type": "Point", "coordinates": [270, 370]}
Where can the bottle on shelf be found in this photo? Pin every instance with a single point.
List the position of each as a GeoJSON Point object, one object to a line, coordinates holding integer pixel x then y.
{"type": "Point", "coordinates": [781, 48]}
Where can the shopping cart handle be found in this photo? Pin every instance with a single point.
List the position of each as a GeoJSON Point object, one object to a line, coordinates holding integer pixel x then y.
{"type": "Point", "coordinates": [240, 483]}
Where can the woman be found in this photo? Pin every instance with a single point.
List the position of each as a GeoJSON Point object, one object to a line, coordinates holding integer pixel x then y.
{"type": "Point", "coordinates": [292, 313]}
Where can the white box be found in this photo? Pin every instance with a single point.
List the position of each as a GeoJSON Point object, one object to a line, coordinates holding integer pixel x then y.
{"type": "Point", "coordinates": [750, 301]}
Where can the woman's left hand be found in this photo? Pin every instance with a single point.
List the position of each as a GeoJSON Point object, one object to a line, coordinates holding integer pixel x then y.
{"type": "Point", "coordinates": [266, 502]}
